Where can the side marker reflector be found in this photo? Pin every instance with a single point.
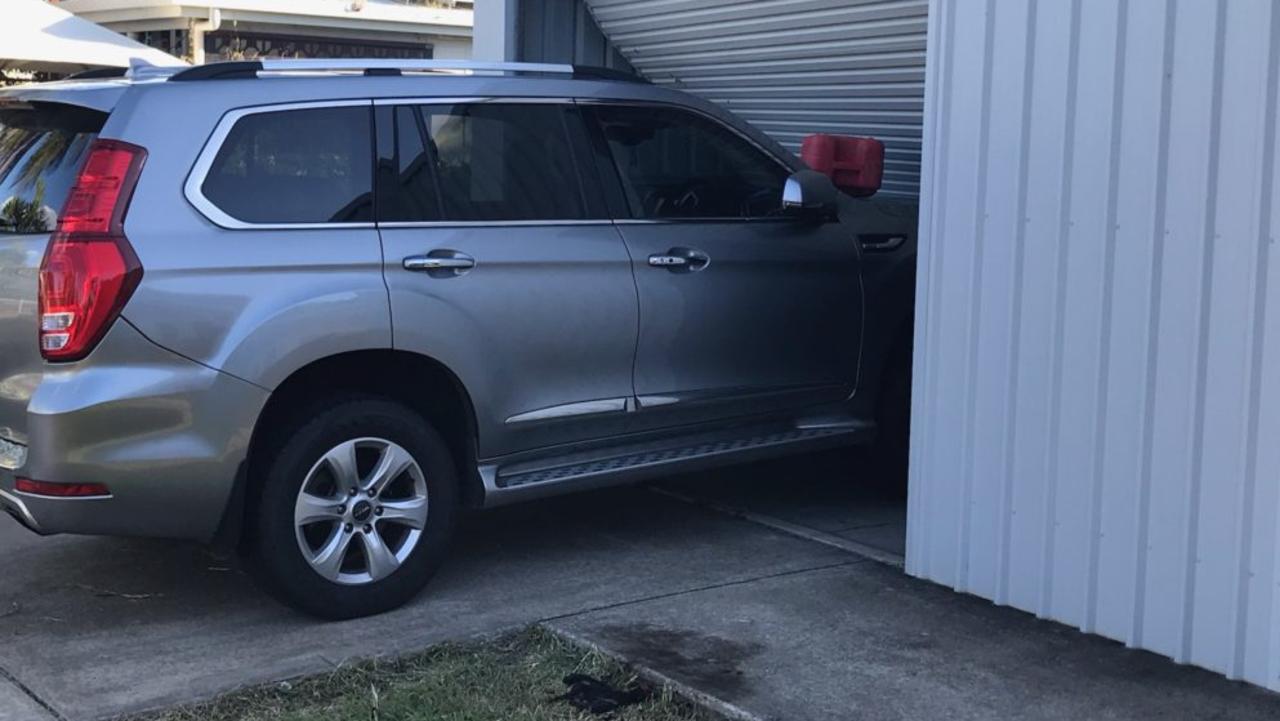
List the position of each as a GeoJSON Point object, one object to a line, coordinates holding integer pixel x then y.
{"type": "Point", "coordinates": [60, 490]}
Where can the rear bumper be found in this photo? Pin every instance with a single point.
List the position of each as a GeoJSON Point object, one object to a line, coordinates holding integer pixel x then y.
{"type": "Point", "coordinates": [166, 436]}
{"type": "Point", "coordinates": [13, 505]}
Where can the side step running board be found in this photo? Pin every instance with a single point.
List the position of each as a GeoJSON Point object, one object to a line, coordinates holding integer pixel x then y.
{"type": "Point", "coordinates": [507, 483]}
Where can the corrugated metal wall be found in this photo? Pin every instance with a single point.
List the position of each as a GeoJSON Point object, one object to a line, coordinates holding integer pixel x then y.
{"type": "Point", "coordinates": [790, 67]}
{"type": "Point", "coordinates": [1097, 381]}
{"type": "Point", "coordinates": [563, 31]}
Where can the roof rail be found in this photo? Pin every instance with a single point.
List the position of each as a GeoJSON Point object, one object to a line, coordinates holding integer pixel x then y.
{"type": "Point", "coordinates": [601, 73]}
{"type": "Point", "coordinates": [238, 69]}
{"type": "Point", "coordinates": [98, 73]}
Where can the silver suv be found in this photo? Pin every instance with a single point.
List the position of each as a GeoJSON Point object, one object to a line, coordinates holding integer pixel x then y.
{"type": "Point", "coordinates": [312, 308]}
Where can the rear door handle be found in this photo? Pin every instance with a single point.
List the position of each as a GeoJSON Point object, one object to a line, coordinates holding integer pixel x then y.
{"type": "Point", "coordinates": [666, 261]}
{"type": "Point", "coordinates": [440, 263]}
{"type": "Point", "coordinates": [680, 260]}
{"type": "Point", "coordinates": [422, 262]}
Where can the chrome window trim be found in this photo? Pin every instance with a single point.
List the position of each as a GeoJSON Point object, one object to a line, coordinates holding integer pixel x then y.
{"type": "Point", "coordinates": [193, 191]}
{"type": "Point", "coordinates": [474, 99]}
{"type": "Point", "coordinates": [204, 161]}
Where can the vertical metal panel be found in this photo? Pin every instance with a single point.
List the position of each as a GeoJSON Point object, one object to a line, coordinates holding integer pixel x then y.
{"type": "Point", "coordinates": [563, 31]}
{"type": "Point", "coordinates": [790, 67]}
{"type": "Point", "coordinates": [1097, 378]}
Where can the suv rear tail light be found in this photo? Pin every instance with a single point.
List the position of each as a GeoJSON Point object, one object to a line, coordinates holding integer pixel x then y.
{"type": "Point", "coordinates": [89, 269]}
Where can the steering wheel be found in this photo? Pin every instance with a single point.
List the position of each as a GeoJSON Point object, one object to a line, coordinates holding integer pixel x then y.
{"type": "Point", "coordinates": [681, 201]}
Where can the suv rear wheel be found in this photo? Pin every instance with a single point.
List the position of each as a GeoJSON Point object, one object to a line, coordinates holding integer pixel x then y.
{"type": "Point", "coordinates": [356, 509]}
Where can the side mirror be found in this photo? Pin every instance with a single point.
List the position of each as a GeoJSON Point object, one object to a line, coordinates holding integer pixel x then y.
{"type": "Point", "coordinates": [855, 165]}
{"type": "Point", "coordinates": [809, 194]}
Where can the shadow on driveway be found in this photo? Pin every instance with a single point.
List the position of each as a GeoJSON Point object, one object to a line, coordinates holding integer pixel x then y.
{"type": "Point", "coordinates": [779, 625]}
{"type": "Point", "coordinates": [831, 493]}
{"type": "Point", "coordinates": [97, 627]}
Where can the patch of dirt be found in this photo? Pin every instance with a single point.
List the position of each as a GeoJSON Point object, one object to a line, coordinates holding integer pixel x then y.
{"type": "Point", "coordinates": [708, 663]}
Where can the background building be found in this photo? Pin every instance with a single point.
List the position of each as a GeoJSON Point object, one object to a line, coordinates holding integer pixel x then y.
{"type": "Point", "coordinates": [209, 30]}
{"type": "Point", "coordinates": [1097, 350]}
{"type": "Point", "coordinates": [39, 41]}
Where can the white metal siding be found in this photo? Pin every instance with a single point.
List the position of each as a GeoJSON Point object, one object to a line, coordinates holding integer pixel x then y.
{"type": "Point", "coordinates": [790, 67]}
{"type": "Point", "coordinates": [1097, 381]}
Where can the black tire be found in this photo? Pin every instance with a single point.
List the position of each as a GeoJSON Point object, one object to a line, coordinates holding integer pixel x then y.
{"type": "Point", "coordinates": [277, 561]}
{"type": "Point", "coordinates": [893, 440]}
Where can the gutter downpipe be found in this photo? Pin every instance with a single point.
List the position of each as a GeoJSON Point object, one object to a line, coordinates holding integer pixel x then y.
{"type": "Point", "coordinates": [195, 35]}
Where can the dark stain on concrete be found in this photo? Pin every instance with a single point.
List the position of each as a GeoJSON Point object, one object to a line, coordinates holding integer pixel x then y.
{"type": "Point", "coordinates": [711, 664]}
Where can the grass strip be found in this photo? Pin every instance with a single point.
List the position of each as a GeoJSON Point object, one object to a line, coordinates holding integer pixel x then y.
{"type": "Point", "coordinates": [519, 677]}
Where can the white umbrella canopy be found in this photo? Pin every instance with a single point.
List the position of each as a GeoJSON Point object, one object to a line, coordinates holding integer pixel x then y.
{"type": "Point", "coordinates": [36, 36]}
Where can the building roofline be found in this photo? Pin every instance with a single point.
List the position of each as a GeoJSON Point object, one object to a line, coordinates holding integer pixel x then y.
{"type": "Point", "coordinates": [375, 15]}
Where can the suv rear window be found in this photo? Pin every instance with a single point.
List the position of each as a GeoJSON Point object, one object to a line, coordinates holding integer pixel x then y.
{"type": "Point", "coordinates": [41, 149]}
{"type": "Point", "coordinates": [311, 165]}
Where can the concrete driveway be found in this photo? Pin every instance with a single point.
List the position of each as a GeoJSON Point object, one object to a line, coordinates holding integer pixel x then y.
{"type": "Point", "coordinates": [777, 626]}
{"type": "Point", "coordinates": [96, 627]}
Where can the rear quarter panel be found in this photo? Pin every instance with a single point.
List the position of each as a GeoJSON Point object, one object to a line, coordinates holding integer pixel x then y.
{"type": "Point", "coordinates": [257, 304]}
{"type": "Point", "coordinates": [165, 434]}
{"type": "Point", "coordinates": [20, 362]}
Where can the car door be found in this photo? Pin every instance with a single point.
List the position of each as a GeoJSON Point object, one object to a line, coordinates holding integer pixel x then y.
{"type": "Point", "coordinates": [502, 265]}
{"type": "Point", "coordinates": [742, 311]}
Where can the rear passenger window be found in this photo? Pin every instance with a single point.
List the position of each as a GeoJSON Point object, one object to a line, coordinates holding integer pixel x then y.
{"type": "Point", "coordinates": [312, 165]}
{"type": "Point", "coordinates": [483, 162]}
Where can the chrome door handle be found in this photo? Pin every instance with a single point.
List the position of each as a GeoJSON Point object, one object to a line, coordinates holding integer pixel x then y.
{"type": "Point", "coordinates": [666, 261]}
{"type": "Point", "coordinates": [680, 260]}
{"type": "Point", "coordinates": [426, 262]}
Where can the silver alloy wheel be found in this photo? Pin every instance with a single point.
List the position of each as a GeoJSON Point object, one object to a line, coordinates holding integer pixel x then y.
{"type": "Point", "coordinates": [361, 511]}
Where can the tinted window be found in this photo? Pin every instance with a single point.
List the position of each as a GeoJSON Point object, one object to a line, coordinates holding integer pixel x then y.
{"type": "Point", "coordinates": [40, 153]}
{"type": "Point", "coordinates": [406, 181]}
{"type": "Point", "coordinates": [486, 162]}
{"type": "Point", "coordinates": [296, 166]}
{"type": "Point", "coordinates": [677, 164]}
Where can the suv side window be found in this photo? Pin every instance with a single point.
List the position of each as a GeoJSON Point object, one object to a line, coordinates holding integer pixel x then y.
{"type": "Point", "coordinates": [477, 162]}
{"type": "Point", "coordinates": [310, 165]}
{"type": "Point", "coordinates": [677, 164]}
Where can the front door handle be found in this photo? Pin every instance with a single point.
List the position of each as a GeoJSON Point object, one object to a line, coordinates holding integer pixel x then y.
{"type": "Point", "coordinates": [680, 260]}
{"type": "Point", "coordinates": [882, 242]}
{"type": "Point", "coordinates": [440, 263]}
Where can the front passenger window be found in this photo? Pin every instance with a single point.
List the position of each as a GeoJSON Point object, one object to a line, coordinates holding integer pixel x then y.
{"type": "Point", "coordinates": [677, 164]}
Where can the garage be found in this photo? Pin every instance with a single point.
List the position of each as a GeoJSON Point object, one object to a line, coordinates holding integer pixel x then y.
{"type": "Point", "coordinates": [1095, 379]}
